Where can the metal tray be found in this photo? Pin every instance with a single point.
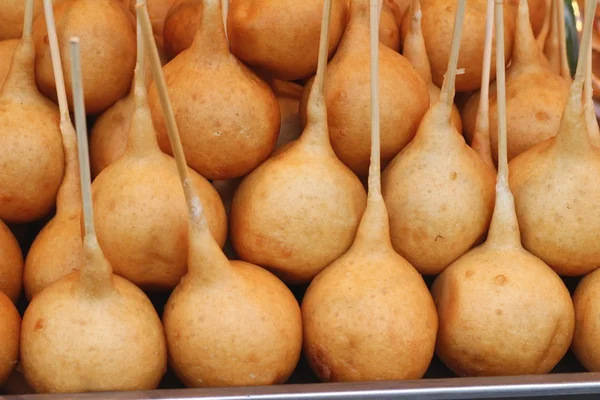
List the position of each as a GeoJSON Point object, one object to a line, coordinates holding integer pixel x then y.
{"type": "Point", "coordinates": [577, 385]}
{"type": "Point", "coordinates": [568, 380]}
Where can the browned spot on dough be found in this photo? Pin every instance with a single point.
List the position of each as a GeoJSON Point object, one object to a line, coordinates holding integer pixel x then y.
{"type": "Point", "coordinates": [499, 312]}
{"type": "Point", "coordinates": [285, 253]}
{"type": "Point", "coordinates": [119, 119]}
{"type": "Point", "coordinates": [112, 206]}
{"type": "Point", "coordinates": [320, 365]}
{"type": "Point", "coordinates": [419, 235]}
{"type": "Point", "coordinates": [263, 241]}
{"type": "Point", "coordinates": [352, 344]}
{"type": "Point", "coordinates": [469, 273]}
{"type": "Point", "coordinates": [280, 378]}
{"type": "Point", "coordinates": [542, 116]}
{"type": "Point", "coordinates": [500, 279]}
{"type": "Point", "coordinates": [453, 175]}
{"type": "Point", "coordinates": [39, 325]}
{"type": "Point", "coordinates": [259, 240]}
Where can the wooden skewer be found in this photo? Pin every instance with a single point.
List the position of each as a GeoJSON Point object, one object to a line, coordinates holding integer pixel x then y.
{"type": "Point", "coordinates": [501, 90]}
{"type": "Point", "coordinates": [565, 71]}
{"type": "Point", "coordinates": [82, 136]}
{"type": "Point", "coordinates": [225, 13]}
{"type": "Point", "coordinates": [504, 228]}
{"type": "Point", "coordinates": [487, 58]}
{"type": "Point", "coordinates": [140, 72]}
{"type": "Point", "coordinates": [448, 87]}
{"type": "Point", "coordinates": [574, 138]}
{"type": "Point", "coordinates": [316, 114]}
{"type": "Point", "coordinates": [543, 34]}
{"type": "Point", "coordinates": [163, 94]}
{"type": "Point", "coordinates": [323, 47]}
{"type": "Point", "coordinates": [194, 204]}
{"type": "Point", "coordinates": [96, 274]}
{"type": "Point", "coordinates": [28, 22]}
{"type": "Point", "coordinates": [586, 41]}
{"type": "Point", "coordinates": [69, 194]}
{"type": "Point", "coordinates": [375, 167]}
{"type": "Point", "coordinates": [481, 137]}
{"type": "Point", "coordinates": [56, 62]}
